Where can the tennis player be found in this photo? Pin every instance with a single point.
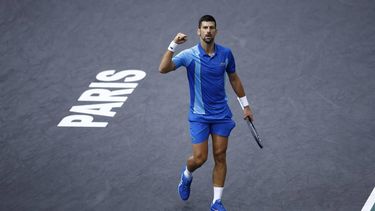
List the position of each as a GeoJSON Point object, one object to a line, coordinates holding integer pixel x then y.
{"type": "Point", "coordinates": [206, 64]}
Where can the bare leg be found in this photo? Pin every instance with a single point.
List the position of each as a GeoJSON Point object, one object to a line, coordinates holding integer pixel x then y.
{"type": "Point", "coordinates": [199, 156]}
{"type": "Point", "coordinates": [220, 145]}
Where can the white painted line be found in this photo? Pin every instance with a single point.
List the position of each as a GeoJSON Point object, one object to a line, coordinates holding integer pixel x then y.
{"type": "Point", "coordinates": [370, 202]}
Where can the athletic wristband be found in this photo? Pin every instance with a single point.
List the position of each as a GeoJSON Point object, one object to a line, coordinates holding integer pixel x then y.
{"type": "Point", "coordinates": [172, 46]}
{"type": "Point", "coordinates": [243, 101]}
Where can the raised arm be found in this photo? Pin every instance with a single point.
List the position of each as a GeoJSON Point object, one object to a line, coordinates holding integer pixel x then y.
{"type": "Point", "coordinates": [240, 92]}
{"type": "Point", "coordinates": [166, 64]}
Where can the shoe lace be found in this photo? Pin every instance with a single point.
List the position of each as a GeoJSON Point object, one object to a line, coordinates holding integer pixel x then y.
{"type": "Point", "coordinates": [185, 184]}
{"type": "Point", "coordinates": [219, 204]}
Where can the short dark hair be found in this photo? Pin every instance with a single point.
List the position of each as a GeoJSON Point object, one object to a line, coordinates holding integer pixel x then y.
{"type": "Point", "coordinates": [207, 18]}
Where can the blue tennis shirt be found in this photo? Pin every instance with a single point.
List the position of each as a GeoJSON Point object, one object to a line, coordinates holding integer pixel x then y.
{"type": "Point", "coordinates": [206, 75]}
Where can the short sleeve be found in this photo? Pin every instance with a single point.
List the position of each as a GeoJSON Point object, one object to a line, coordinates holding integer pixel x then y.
{"type": "Point", "coordinates": [180, 59]}
{"type": "Point", "coordinates": [231, 64]}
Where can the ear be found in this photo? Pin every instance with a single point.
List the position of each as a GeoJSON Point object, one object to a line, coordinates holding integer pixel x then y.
{"type": "Point", "coordinates": [198, 32]}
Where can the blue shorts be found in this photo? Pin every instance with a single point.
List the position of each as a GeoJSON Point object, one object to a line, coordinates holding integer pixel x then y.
{"type": "Point", "coordinates": [199, 131]}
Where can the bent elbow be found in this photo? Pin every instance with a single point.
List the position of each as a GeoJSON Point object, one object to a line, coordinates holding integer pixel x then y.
{"type": "Point", "coordinates": [162, 70]}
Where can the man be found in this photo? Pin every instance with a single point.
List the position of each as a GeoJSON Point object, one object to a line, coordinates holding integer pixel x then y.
{"type": "Point", "coordinates": [206, 65]}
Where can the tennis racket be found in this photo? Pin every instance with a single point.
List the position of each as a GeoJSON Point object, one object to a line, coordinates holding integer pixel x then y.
{"type": "Point", "coordinates": [252, 128]}
{"type": "Point", "coordinates": [254, 132]}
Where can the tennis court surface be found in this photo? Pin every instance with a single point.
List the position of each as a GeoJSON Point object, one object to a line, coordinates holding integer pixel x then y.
{"type": "Point", "coordinates": [307, 68]}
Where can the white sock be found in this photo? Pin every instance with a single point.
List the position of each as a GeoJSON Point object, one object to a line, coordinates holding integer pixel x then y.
{"type": "Point", "coordinates": [218, 191]}
{"type": "Point", "coordinates": [187, 173]}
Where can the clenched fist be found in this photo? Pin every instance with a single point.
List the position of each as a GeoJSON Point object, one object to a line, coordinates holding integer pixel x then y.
{"type": "Point", "coordinates": [180, 38]}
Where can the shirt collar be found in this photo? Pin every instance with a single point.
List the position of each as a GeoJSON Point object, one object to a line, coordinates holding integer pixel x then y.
{"type": "Point", "coordinates": [203, 52]}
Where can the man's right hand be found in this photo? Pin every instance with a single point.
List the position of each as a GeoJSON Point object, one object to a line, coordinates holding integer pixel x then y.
{"type": "Point", "coordinates": [180, 38]}
{"type": "Point", "coordinates": [166, 64]}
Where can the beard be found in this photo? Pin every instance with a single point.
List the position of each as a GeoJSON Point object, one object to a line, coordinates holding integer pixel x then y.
{"type": "Point", "coordinates": [208, 40]}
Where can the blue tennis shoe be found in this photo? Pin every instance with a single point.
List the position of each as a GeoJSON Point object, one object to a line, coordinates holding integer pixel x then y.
{"type": "Point", "coordinates": [217, 206]}
{"type": "Point", "coordinates": [184, 186]}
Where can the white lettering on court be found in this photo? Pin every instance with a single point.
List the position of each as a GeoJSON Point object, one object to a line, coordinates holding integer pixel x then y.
{"type": "Point", "coordinates": [102, 98]}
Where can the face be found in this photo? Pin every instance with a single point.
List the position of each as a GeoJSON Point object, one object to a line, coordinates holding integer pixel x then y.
{"type": "Point", "coordinates": [207, 31]}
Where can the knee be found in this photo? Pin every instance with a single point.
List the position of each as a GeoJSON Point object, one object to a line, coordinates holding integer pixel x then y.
{"type": "Point", "coordinates": [220, 156]}
{"type": "Point", "coordinates": [200, 159]}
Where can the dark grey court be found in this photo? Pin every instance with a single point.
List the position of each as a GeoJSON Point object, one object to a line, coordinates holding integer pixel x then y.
{"type": "Point", "coordinates": [309, 72]}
